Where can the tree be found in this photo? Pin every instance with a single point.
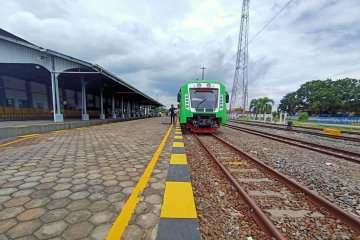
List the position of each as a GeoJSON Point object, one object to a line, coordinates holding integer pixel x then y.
{"type": "Point", "coordinates": [324, 97]}
{"type": "Point", "coordinates": [255, 105]}
{"type": "Point", "coordinates": [289, 103]}
{"type": "Point", "coordinates": [266, 105]}
{"type": "Point", "coordinates": [261, 105]}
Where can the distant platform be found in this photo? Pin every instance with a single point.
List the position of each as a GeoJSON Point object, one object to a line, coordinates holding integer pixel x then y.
{"type": "Point", "coordinates": [10, 129]}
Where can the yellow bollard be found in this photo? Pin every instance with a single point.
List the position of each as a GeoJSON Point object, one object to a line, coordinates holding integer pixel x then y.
{"type": "Point", "coordinates": [332, 132]}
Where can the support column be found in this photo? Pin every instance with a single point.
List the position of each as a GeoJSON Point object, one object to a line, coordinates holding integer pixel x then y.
{"type": "Point", "coordinates": [138, 110]}
{"type": "Point", "coordinates": [58, 117]}
{"type": "Point", "coordinates": [84, 115]}
{"type": "Point", "coordinates": [134, 109]}
{"type": "Point", "coordinates": [102, 115]}
{"type": "Point", "coordinates": [113, 115]}
{"type": "Point", "coordinates": [122, 107]}
{"type": "Point", "coordinates": [280, 116]}
{"type": "Point", "coordinates": [128, 113]}
{"type": "Point", "coordinates": [285, 116]}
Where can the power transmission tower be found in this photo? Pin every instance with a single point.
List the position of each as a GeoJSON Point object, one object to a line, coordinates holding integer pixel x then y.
{"type": "Point", "coordinates": [240, 82]}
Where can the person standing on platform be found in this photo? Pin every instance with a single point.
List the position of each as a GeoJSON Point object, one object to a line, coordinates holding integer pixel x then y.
{"type": "Point", "coordinates": [172, 114]}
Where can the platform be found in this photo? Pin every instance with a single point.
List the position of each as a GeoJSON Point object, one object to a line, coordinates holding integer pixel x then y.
{"type": "Point", "coordinates": [74, 184]}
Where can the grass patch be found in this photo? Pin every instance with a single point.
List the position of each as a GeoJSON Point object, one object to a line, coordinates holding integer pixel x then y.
{"type": "Point", "coordinates": [322, 126]}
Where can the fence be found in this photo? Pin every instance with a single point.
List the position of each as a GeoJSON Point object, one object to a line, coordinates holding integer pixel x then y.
{"type": "Point", "coordinates": [332, 120]}
{"type": "Point", "coordinates": [338, 120]}
{"type": "Point", "coordinates": [33, 113]}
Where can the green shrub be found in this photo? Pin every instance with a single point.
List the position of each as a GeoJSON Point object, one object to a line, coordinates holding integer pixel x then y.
{"type": "Point", "coordinates": [303, 117]}
{"type": "Point", "coordinates": [276, 119]}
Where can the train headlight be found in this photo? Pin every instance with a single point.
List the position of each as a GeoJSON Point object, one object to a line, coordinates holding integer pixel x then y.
{"type": "Point", "coordinates": [208, 85]}
{"type": "Point", "coordinates": [198, 85]}
{"type": "Point", "coordinates": [187, 106]}
{"type": "Point", "coordinates": [221, 105]}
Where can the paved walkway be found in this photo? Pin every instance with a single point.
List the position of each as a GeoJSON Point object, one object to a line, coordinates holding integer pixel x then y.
{"type": "Point", "coordinates": [72, 184]}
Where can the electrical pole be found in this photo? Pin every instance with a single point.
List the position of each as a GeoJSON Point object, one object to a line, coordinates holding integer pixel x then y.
{"type": "Point", "coordinates": [203, 69]}
{"type": "Point", "coordinates": [240, 82]}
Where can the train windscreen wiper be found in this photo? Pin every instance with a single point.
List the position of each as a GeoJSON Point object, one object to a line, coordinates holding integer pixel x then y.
{"type": "Point", "coordinates": [200, 103]}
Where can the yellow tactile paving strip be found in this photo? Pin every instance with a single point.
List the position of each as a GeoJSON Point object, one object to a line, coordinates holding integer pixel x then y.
{"type": "Point", "coordinates": [178, 201]}
{"type": "Point", "coordinates": [178, 159]}
{"type": "Point", "coordinates": [178, 218]}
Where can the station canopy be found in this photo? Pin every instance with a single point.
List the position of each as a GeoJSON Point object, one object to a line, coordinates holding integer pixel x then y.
{"type": "Point", "coordinates": [93, 74]}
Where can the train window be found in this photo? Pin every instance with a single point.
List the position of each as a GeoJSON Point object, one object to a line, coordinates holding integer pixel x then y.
{"type": "Point", "coordinates": [204, 99]}
{"type": "Point", "coordinates": [227, 97]}
{"type": "Point", "coordinates": [179, 96]}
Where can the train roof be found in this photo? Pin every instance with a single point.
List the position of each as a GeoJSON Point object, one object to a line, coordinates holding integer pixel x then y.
{"type": "Point", "coordinates": [202, 81]}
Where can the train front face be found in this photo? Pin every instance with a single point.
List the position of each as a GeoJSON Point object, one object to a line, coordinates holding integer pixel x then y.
{"type": "Point", "coordinates": [204, 105]}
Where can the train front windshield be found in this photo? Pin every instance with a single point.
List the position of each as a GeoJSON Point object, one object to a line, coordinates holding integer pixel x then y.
{"type": "Point", "coordinates": [204, 98]}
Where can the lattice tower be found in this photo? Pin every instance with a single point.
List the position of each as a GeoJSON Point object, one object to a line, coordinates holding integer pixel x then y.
{"type": "Point", "coordinates": [240, 83]}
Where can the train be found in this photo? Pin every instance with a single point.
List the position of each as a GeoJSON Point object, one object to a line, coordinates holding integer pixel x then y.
{"type": "Point", "coordinates": [202, 105]}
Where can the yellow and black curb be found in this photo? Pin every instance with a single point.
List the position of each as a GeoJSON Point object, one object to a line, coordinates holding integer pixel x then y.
{"type": "Point", "coordinates": [178, 218]}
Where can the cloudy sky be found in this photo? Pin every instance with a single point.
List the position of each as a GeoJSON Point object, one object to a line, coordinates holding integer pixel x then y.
{"type": "Point", "coordinates": [157, 45]}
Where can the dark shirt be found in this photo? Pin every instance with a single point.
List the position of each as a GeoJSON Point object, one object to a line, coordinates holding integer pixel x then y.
{"type": "Point", "coordinates": [172, 111]}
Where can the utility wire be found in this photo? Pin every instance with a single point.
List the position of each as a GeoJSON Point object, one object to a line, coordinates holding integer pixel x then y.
{"type": "Point", "coordinates": [270, 21]}
{"type": "Point", "coordinates": [258, 33]}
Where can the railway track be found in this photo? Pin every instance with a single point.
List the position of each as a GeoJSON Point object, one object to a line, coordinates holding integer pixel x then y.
{"type": "Point", "coordinates": [294, 129]}
{"type": "Point", "coordinates": [347, 155]}
{"type": "Point", "coordinates": [280, 206]}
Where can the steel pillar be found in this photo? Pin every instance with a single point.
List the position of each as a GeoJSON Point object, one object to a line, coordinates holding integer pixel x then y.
{"type": "Point", "coordinates": [102, 115]}
{"type": "Point", "coordinates": [134, 110]}
{"type": "Point", "coordinates": [113, 115]}
{"type": "Point", "coordinates": [122, 107]}
{"type": "Point", "coordinates": [128, 113]}
{"type": "Point", "coordinates": [84, 115]}
{"type": "Point", "coordinates": [58, 117]}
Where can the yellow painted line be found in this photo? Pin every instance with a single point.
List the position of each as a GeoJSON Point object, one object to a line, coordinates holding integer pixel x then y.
{"type": "Point", "coordinates": [178, 201]}
{"type": "Point", "coordinates": [178, 158]}
{"type": "Point", "coordinates": [12, 142]}
{"type": "Point", "coordinates": [30, 135]}
{"type": "Point", "coordinates": [178, 144]}
{"type": "Point", "coordinates": [235, 163]}
{"type": "Point", "coordinates": [179, 133]}
{"type": "Point", "coordinates": [178, 137]}
{"type": "Point", "coordinates": [60, 131]}
{"type": "Point", "coordinates": [19, 126]}
{"type": "Point", "coordinates": [125, 215]}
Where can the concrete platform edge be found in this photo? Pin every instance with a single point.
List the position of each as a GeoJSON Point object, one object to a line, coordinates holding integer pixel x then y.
{"type": "Point", "coordinates": [15, 131]}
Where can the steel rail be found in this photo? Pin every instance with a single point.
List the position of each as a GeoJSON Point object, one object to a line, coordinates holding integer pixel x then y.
{"type": "Point", "coordinates": [277, 125]}
{"type": "Point", "coordinates": [347, 155]}
{"type": "Point", "coordinates": [306, 132]}
{"type": "Point", "coordinates": [324, 205]}
{"type": "Point", "coordinates": [259, 216]}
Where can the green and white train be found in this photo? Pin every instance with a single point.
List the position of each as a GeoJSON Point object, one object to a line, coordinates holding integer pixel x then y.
{"type": "Point", "coordinates": [202, 105]}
